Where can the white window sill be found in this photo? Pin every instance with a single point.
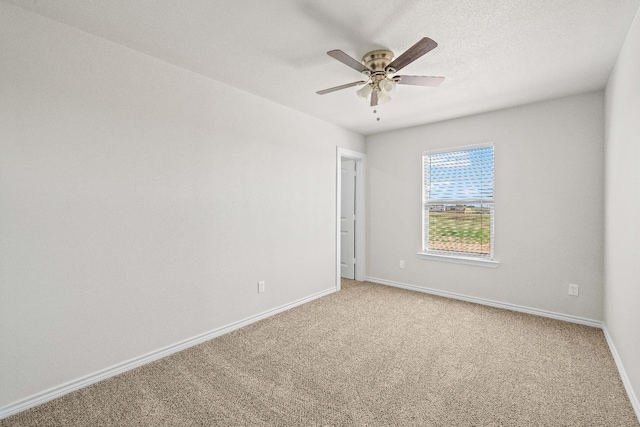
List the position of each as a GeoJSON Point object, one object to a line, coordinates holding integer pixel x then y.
{"type": "Point", "coordinates": [460, 259]}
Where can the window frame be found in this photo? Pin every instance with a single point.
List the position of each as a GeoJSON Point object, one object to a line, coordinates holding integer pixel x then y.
{"type": "Point", "coordinates": [453, 256]}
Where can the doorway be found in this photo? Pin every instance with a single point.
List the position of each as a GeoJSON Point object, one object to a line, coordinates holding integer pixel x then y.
{"type": "Point", "coordinates": [350, 215]}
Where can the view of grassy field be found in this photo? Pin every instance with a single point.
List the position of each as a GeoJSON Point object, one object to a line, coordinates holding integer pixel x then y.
{"type": "Point", "coordinates": [460, 231]}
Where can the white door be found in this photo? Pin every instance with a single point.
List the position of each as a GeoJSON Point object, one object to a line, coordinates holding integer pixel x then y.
{"type": "Point", "coordinates": [348, 219]}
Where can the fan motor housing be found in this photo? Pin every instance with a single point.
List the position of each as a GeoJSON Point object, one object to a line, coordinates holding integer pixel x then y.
{"type": "Point", "coordinates": [377, 60]}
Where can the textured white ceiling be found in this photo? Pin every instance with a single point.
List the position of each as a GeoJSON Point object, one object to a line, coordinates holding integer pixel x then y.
{"type": "Point", "coordinates": [493, 53]}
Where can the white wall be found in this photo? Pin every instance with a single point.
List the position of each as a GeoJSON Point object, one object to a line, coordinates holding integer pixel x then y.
{"type": "Point", "coordinates": [622, 226]}
{"type": "Point", "coordinates": [141, 203]}
{"type": "Point", "coordinates": [548, 205]}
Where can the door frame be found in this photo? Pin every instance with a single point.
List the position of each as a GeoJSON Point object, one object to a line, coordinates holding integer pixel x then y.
{"type": "Point", "coordinates": [360, 228]}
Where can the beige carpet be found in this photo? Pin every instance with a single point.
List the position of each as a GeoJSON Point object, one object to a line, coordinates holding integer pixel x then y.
{"type": "Point", "coordinates": [368, 355]}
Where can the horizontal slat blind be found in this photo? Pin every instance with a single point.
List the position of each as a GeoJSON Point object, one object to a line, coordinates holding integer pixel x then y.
{"type": "Point", "coordinates": [457, 175]}
{"type": "Point", "coordinates": [458, 196]}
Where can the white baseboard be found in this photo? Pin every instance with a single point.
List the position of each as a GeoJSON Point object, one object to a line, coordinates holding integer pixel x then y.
{"type": "Point", "coordinates": [491, 303]}
{"type": "Point", "coordinates": [623, 374]}
{"type": "Point", "coordinates": [61, 390]}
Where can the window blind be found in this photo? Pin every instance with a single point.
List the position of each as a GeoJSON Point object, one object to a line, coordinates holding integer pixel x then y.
{"type": "Point", "coordinates": [458, 201]}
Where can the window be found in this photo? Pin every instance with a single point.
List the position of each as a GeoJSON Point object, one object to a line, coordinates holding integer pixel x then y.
{"type": "Point", "coordinates": [458, 202]}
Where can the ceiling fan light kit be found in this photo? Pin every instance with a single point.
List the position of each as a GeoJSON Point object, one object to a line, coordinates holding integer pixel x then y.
{"type": "Point", "coordinates": [365, 91]}
{"type": "Point", "coordinates": [378, 66]}
{"type": "Point", "coordinates": [387, 85]}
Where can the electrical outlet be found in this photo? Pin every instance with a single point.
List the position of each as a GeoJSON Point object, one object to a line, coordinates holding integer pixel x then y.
{"type": "Point", "coordinates": [401, 263]}
{"type": "Point", "coordinates": [573, 289]}
{"type": "Point", "coordinates": [261, 286]}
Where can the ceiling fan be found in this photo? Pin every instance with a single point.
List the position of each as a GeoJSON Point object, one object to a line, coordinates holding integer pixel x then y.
{"type": "Point", "coordinates": [378, 65]}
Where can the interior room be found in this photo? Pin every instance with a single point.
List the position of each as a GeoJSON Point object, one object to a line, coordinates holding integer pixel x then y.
{"type": "Point", "coordinates": [173, 173]}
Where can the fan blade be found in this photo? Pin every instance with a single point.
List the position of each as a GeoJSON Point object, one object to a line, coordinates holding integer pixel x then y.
{"type": "Point", "coordinates": [374, 98]}
{"type": "Point", "coordinates": [347, 60]}
{"type": "Point", "coordinates": [420, 80]}
{"type": "Point", "coordinates": [413, 53]}
{"type": "Point", "coordinates": [333, 89]}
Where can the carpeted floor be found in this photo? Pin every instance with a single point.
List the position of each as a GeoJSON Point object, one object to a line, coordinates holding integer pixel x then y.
{"type": "Point", "coordinates": [369, 355]}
